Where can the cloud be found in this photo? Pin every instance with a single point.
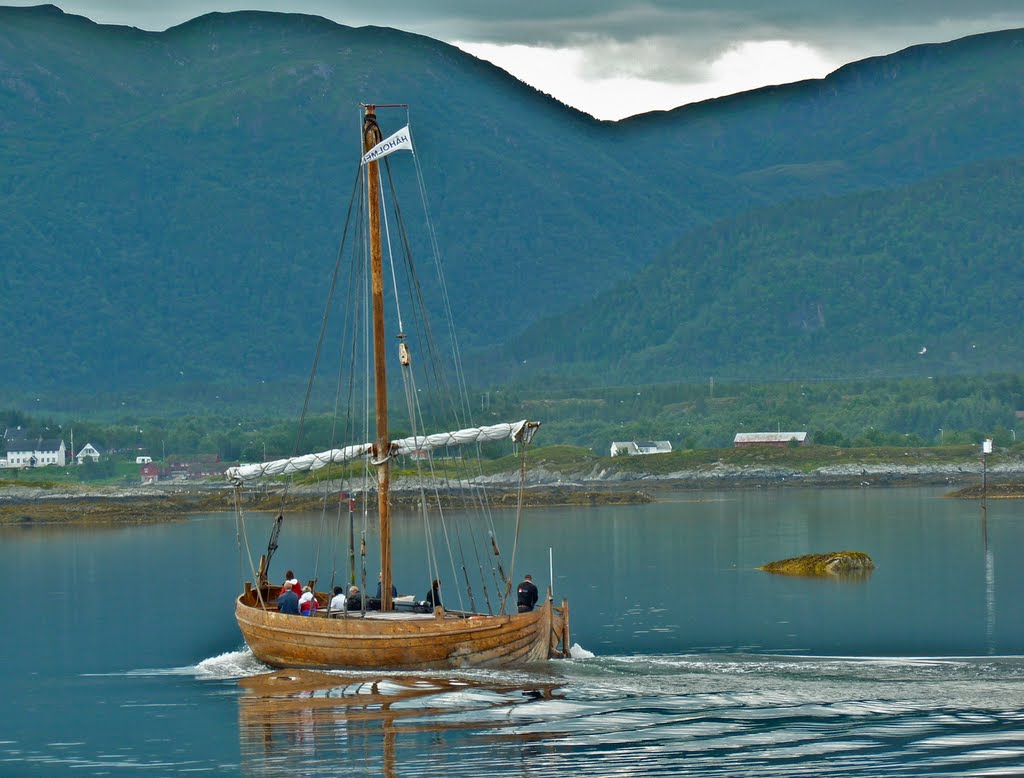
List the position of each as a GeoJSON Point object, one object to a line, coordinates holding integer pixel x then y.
{"type": "Point", "coordinates": [608, 84]}
{"type": "Point", "coordinates": [553, 25]}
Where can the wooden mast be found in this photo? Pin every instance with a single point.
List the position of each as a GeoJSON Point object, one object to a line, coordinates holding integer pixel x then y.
{"type": "Point", "coordinates": [371, 137]}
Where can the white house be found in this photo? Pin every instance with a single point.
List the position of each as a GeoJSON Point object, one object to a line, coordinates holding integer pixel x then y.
{"type": "Point", "coordinates": [637, 447]}
{"type": "Point", "coordinates": [38, 452]}
{"type": "Point", "coordinates": [89, 451]}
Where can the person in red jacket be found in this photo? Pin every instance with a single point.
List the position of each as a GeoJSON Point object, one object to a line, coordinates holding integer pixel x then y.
{"type": "Point", "coordinates": [289, 578]}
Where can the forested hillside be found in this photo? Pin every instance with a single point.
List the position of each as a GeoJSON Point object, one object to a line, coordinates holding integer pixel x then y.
{"type": "Point", "coordinates": [909, 413]}
{"type": "Point", "coordinates": [173, 201]}
{"type": "Point", "coordinates": [924, 280]}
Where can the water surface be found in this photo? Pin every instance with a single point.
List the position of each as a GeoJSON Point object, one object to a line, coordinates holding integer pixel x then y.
{"type": "Point", "coordinates": [701, 663]}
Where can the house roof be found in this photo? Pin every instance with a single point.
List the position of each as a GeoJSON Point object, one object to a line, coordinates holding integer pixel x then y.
{"type": "Point", "coordinates": [34, 444]}
{"type": "Point", "coordinates": [769, 437]}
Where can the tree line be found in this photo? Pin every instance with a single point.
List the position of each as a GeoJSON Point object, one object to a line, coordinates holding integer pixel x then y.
{"type": "Point", "coordinates": [909, 412]}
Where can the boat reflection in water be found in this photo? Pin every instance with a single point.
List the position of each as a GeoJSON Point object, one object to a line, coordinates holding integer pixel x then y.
{"type": "Point", "coordinates": [312, 722]}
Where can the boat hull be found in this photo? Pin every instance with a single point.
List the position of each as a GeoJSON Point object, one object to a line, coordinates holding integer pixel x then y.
{"type": "Point", "coordinates": [394, 641]}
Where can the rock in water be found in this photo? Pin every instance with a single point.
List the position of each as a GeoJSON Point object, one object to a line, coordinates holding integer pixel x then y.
{"type": "Point", "coordinates": [836, 563]}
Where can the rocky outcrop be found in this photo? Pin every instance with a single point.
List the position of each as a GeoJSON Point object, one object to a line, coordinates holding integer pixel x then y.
{"type": "Point", "coordinates": [835, 563]}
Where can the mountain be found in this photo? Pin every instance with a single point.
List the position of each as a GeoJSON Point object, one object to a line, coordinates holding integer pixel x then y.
{"type": "Point", "coordinates": [173, 201]}
{"type": "Point", "coordinates": [922, 280]}
{"type": "Point", "coordinates": [171, 193]}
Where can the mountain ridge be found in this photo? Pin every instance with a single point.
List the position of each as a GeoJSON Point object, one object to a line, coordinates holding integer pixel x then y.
{"type": "Point", "coordinates": [171, 193]}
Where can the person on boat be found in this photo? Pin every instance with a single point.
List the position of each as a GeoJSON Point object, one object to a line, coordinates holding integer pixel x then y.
{"type": "Point", "coordinates": [289, 578]}
{"type": "Point", "coordinates": [526, 594]}
{"type": "Point", "coordinates": [355, 600]}
{"type": "Point", "coordinates": [288, 602]}
{"type": "Point", "coordinates": [394, 589]}
{"type": "Point", "coordinates": [338, 601]}
{"type": "Point", "coordinates": [307, 602]}
{"type": "Point", "coordinates": [433, 597]}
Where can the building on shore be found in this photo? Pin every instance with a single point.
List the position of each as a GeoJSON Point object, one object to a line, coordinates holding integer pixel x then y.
{"type": "Point", "coordinates": [769, 439]}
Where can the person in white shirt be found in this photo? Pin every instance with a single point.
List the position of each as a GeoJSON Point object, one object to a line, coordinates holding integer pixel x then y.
{"type": "Point", "coordinates": [307, 602]}
{"type": "Point", "coordinates": [337, 602]}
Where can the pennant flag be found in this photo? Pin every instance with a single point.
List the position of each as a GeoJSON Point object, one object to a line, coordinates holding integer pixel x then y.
{"type": "Point", "coordinates": [400, 140]}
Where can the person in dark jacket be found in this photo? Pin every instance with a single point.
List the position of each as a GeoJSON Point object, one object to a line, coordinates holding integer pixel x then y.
{"type": "Point", "coordinates": [527, 594]}
{"type": "Point", "coordinates": [433, 597]}
{"type": "Point", "coordinates": [355, 598]}
{"type": "Point", "coordinates": [288, 602]}
{"type": "Point", "coordinates": [394, 589]}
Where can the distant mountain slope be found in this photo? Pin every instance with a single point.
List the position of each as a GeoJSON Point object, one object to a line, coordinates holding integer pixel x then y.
{"type": "Point", "coordinates": [172, 193]}
{"type": "Point", "coordinates": [874, 124]}
{"type": "Point", "coordinates": [172, 200]}
{"type": "Point", "coordinates": [919, 281]}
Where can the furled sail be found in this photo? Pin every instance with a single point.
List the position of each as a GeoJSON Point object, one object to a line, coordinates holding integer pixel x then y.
{"type": "Point", "coordinates": [519, 431]}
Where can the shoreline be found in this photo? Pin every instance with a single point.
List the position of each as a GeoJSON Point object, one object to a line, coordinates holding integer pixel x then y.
{"type": "Point", "coordinates": [25, 505]}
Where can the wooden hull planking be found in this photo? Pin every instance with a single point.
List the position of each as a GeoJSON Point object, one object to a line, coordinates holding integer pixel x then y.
{"type": "Point", "coordinates": [386, 641]}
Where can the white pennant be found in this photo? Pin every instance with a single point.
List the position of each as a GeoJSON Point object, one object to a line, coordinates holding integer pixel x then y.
{"type": "Point", "coordinates": [400, 140]}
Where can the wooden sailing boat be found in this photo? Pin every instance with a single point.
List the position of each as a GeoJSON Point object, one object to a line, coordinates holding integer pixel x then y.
{"type": "Point", "coordinates": [391, 638]}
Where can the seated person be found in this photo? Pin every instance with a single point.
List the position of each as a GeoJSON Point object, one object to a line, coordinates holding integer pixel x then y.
{"type": "Point", "coordinates": [355, 599]}
{"type": "Point", "coordinates": [288, 602]}
{"type": "Point", "coordinates": [338, 602]}
{"type": "Point", "coordinates": [307, 602]}
{"type": "Point", "coordinates": [289, 578]}
{"type": "Point", "coordinates": [394, 589]}
{"type": "Point", "coordinates": [433, 598]}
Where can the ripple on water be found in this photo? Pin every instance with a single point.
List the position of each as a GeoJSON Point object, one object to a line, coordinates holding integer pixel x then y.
{"type": "Point", "coordinates": [711, 714]}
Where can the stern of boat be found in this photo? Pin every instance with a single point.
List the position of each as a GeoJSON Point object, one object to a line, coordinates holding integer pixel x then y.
{"type": "Point", "coordinates": [559, 647]}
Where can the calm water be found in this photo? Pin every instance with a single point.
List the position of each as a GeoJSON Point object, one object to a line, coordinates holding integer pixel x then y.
{"type": "Point", "coordinates": [121, 655]}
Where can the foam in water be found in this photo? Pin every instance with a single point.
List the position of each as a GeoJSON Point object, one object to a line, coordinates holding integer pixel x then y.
{"type": "Point", "coordinates": [232, 664]}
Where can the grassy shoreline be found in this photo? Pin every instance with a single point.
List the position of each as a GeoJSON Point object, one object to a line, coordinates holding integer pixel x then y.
{"type": "Point", "coordinates": [559, 476]}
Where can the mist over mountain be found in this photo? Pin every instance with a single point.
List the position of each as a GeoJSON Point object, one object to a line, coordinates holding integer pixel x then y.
{"type": "Point", "coordinates": [173, 203]}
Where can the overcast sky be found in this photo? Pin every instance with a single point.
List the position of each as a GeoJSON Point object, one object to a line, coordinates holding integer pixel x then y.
{"type": "Point", "coordinates": [616, 58]}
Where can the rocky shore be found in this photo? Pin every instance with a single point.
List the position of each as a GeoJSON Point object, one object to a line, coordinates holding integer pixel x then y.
{"type": "Point", "coordinates": [600, 485]}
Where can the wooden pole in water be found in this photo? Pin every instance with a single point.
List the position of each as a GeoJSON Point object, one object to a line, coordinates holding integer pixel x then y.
{"type": "Point", "coordinates": [371, 137]}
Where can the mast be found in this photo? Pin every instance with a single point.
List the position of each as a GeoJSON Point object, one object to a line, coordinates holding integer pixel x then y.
{"type": "Point", "coordinates": [382, 446]}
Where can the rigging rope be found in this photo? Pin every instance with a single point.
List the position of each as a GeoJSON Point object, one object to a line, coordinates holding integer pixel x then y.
{"type": "Point", "coordinates": [240, 518]}
{"type": "Point", "coordinates": [519, 517]}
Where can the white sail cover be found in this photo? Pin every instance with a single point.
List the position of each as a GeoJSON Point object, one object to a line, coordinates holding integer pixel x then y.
{"type": "Point", "coordinates": [400, 140]}
{"type": "Point", "coordinates": [520, 431]}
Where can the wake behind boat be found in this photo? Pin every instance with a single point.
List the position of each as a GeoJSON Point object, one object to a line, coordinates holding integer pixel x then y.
{"type": "Point", "coordinates": [391, 632]}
